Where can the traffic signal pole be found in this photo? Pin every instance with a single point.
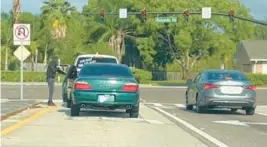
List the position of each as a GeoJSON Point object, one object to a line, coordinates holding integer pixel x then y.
{"type": "Point", "coordinates": [186, 13]}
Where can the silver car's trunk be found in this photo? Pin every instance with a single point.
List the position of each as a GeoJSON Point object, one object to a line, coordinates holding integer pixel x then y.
{"type": "Point", "coordinates": [231, 87]}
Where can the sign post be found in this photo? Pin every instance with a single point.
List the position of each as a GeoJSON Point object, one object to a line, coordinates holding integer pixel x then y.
{"type": "Point", "coordinates": [21, 37]}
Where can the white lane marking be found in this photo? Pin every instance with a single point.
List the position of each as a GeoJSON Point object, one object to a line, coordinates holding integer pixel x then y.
{"type": "Point", "coordinates": [191, 127]}
{"type": "Point", "coordinates": [154, 122]}
{"type": "Point", "coordinates": [261, 110]}
{"type": "Point", "coordinates": [142, 100]}
{"type": "Point", "coordinates": [255, 123]}
{"type": "Point", "coordinates": [232, 122]}
{"type": "Point", "coordinates": [239, 123]}
{"type": "Point", "coordinates": [180, 105]}
{"type": "Point", "coordinates": [157, 104]}
{"type": "Point", "coordinates": [261, 113]}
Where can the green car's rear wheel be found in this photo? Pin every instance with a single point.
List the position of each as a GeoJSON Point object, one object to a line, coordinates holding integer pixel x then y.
{"type": "Point", "coordinates": [134, 112]}
{"type": "Point", "coordinates": [75, 110]}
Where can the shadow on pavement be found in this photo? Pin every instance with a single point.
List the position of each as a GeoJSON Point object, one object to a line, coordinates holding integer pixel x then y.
{"type": "Point", "coordinates": [216, 111]}
{"type": "Point", "coordinates": [95, 113]}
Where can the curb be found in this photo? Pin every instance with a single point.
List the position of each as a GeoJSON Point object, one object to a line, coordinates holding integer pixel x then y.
{"type": "Point", "coordinates": [6, 116]}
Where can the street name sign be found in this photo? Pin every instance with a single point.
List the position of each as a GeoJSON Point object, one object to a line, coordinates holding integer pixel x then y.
{"type": "Point", "coordinates": [123, 13]}
{"type": "Point", "coordinates": [166, 19]}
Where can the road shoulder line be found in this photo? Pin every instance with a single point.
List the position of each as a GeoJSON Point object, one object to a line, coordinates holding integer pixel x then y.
{"type": "Point", "coordinates": [191, 127]}
{"type": "Point", "coordinates": [25, 121]}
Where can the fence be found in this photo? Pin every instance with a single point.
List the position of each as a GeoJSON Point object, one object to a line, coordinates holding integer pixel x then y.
{"type": "Point", "coordinates": [163, 75]}
{"type": "Point", "coordinates": [157, 75]}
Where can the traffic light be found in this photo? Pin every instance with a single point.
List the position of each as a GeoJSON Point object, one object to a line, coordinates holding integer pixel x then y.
{"type": "Point", "coordinates": [232, 14]}
{"type": "Point", "coordinates": [144, 15]}
{"type": "Point", "coordinates": [102, 14]}
{"type": "Point", "coordinates": [186, 15]}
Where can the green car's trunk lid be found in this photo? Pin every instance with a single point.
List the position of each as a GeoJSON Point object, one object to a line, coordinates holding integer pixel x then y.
{"type": "Point", "coordinates": [103, 83]}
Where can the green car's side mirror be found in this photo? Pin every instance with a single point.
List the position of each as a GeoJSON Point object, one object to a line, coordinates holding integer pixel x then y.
{"type": "Point", "coordinates": [189, 82]}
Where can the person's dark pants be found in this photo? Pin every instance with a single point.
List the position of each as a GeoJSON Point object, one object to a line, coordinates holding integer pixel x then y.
{"type": "Point", "coordinates": [51, 85]}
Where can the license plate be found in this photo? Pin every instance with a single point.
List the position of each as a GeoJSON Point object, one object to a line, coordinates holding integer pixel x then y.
{"type": "Point", "coordinates": [105, 98]}
{"type": "Point", "coordinates": [231, 90]}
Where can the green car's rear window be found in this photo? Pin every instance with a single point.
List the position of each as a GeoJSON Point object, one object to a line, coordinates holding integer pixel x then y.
{"type": "Point", "coordinates": [104, 70]}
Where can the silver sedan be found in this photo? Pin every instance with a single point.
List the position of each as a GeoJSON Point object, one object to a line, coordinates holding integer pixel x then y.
{"type": "Point", "coordinates": [221, 88]}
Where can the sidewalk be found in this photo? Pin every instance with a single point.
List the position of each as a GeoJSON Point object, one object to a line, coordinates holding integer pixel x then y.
{"type": "Point", "coordinates": [12, 107]}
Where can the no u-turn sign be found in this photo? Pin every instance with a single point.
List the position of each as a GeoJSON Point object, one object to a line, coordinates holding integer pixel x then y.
{"type": "Point", "coordinates": [22, 34]}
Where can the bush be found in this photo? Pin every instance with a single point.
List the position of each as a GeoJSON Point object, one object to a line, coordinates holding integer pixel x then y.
{"type": "Point", "coordinates": [257, 79]}
{"type": "Point", "coordinates": [142, 76]}
{"type": "Point", "coordinates": [169, 83]}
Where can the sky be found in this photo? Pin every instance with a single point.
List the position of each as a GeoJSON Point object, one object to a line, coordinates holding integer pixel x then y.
{"type": "Point", "coordinates": [258, 7]}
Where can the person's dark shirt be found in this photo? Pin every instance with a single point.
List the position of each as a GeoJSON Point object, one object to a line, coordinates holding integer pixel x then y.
{"type": "Point", "coordinates": [52, 69]}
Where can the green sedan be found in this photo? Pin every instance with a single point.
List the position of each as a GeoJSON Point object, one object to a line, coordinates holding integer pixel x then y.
{"type": "Point", "coordinates": [105, 86]}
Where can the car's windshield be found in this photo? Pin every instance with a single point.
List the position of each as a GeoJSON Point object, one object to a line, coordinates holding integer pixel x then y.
{"type": "Point", "coordinates": [113, 71]}
{"type": "Point", "coordinates": [226, 76]}
{"type": "Point", "coordinates": [87, 60]}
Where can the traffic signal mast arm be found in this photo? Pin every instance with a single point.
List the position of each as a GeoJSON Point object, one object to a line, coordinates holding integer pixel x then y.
{"type": "Point", "coordinates": [230, 14]}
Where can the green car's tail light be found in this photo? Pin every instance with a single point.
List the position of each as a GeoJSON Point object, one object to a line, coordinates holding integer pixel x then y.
{"type": "Point", "coordinates": [251, 87]}
{"type": "Point", "coordinates": [82, 86]}
{"type": "Point", "coordinates": [209, 86]}
{"type": "Point", "coordinates": [130, 87]}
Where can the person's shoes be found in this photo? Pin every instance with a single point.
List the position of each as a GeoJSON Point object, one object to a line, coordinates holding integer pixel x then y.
{"type": "Point", "coordinates": [50, 103]}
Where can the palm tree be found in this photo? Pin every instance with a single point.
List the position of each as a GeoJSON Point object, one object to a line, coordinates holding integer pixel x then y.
{"type": "Point", "coordinates": [57, 12]}
{"type": "Point", "coordinates": [112, 31]}
{"type": "Point", "coordinates": [16, 10]}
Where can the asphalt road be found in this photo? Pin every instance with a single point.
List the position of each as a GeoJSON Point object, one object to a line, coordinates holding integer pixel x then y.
{"type": "Point", "coordinates": [220, 127]}
{"type": "Point", "coordinates": [152, 95]}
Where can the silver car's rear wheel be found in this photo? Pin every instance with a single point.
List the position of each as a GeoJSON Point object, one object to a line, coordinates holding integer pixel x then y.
{"type": "Point", "coordinates": [250, 111]}
{"type": "Point", "coordinates": [199, 109]}
{"type": "Point", "coordinates": [188, 107]}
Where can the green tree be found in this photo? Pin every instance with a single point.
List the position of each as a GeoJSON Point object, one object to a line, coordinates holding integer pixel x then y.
{"type": "Point", "coordinates": [6, 37]}
{"type": "Point", "coordinates": [57, 12]}
{"type": "Point", "coordinates": [189, 42]}
{"type": "Point", "coordinates": [113, 30]}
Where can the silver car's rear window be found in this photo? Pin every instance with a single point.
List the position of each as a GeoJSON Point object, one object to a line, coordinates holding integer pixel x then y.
{"type": "Point", "coordinates": [226, 75]}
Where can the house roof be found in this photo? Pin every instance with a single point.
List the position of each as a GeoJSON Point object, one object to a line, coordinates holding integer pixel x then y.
{"type": "Point", "coordinates": [256, 49]}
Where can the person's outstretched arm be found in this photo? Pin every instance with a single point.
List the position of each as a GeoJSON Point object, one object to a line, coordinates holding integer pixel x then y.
{"type": "Point", "coordinates": [59, 70]}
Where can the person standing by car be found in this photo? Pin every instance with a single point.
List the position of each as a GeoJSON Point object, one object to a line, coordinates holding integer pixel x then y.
{"type": "Point", "coordinates": [51, 71]}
